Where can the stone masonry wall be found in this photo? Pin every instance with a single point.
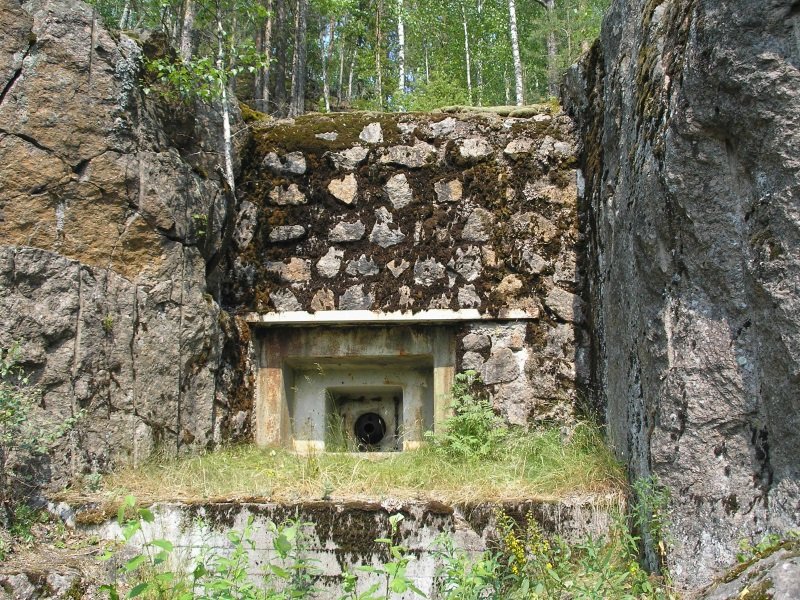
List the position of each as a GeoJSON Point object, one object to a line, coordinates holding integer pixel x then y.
{"type": "Point", "coordinates": [413, 212]}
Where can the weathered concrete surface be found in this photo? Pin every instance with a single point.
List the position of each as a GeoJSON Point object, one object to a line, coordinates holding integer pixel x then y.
{"type": "Point", "coordinates": [341, 535]}
{"type": "Point", "coordinates": [300, 367]}
{"type": "Point", "coordinates": [690, 115]}
{"type": "Point", "coordinates": [111, 215]}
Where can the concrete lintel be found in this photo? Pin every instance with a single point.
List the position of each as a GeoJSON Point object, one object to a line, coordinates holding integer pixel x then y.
{"type": "Point", "coordinates": [363, 317]}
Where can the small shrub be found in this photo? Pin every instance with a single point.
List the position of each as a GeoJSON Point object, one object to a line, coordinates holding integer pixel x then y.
{"type": "Point", "coordinates": [473, 430]}
{"type": "Point", "coordinates": [603, 567]}
{"type": "Point", "coordinates": [651, 519]}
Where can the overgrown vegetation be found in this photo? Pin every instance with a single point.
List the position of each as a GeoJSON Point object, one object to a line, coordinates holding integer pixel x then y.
{"type": "Point", "coordinates": [475, 457]}
{"type": "Point", "coordinates": [536, 465]}
{"type": "Point", "coordinates": [523, 563]}
{"type": "Point", "coordinates": [26, 434]}
{"type": "Point", "coordinates": [473, 431]}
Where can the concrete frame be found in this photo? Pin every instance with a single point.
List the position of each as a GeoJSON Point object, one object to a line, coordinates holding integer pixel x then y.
{"type": "Point", "coordinates": [283, 351]}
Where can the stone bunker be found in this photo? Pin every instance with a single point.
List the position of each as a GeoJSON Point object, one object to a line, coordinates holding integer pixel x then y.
{"type": "Point", "coordinates": [378, 255]}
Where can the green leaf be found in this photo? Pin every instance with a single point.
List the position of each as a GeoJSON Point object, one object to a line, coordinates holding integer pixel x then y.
{"type": "Point", "coordinates": [165, 545]}
{"type": "Point", "coordinates": [279, 571]}
{"type": "Point", "coordinates": [166, 577]}
{"type": "Point", "coordinates": [139, 589]}
{"type": "Point", "coordinates": [282, 545]}
{"type": "Point", "coordinates": [135, 562]}
{"type": "Point", "coordinates": [398, 586]}
{"type": "Point", "coordinates": [146, 515]}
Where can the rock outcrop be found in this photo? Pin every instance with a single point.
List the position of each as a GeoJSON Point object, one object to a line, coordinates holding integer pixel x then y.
{"type": "Point", "coordinates": [690, 115]}
{"type": "Point", "coordinates": [112, 213]}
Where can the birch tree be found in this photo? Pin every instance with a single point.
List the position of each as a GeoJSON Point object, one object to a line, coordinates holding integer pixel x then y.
{"type": "Point", "coordinates": [264, 46]}
{"type": "Point", "coordinates": [467, 57]}
{"type": "Point", "coordinates": [187, 26]}
{"type": "Point", "coordinates": [512, 30]}
{"type": "Point", "coordinates": [401, 48]}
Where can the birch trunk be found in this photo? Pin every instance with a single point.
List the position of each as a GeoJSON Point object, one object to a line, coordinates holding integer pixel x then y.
{"type": "Point", "coordinates": [187, 25]}
{"type": "Point", "coordinates": [350, 78]}
{"type": "Point", "coordinates": [226, 113]}
{"type": "Point", "coordinates": [378, 50]}
{"type": "Point", "coordinates": [340, 87]}
{"type": "Point", "coordinates": [512, 26]}
{"type": "Point", "coordinates": [552, 50]}
{"type": "Point", "coordinates": [479, 62]}
{"type": "Point", "coordinates": [264, 46]}
{"type": "Point", "coordinates": [281, 35]}
{"type": "Point", "coordinates": [401, 51]}
{"type": "Point", "coordinates": [427, 66]}
{"type": "Point", "coordinates": [126, 13]}
{"type": "Point", "coordinates": [326, 57]}
{"type": "Point", "coordinates": [466, 52]}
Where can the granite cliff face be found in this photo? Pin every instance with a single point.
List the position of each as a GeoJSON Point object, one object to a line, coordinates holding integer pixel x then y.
{"type": "Point", "coordinates": [689, 113]}
{"type": "Point", "coordinates": [107, 233]}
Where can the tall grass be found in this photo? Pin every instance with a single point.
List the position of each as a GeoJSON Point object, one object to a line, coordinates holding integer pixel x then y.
{"type": "Point", "coordinates": [525, 465]}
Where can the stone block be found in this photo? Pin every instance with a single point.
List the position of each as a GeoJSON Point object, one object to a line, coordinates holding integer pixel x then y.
{"type": "Point", "coordinates": [287, 195]}
{"type": "Point", "coordinates": [345, 189]}
{"type": "Point", "coordinates": [330, 264]}
{"type": "Point", "coordinates": [347, 232]}
{"type": "Point", "coordinates": [285, 233]}
{"type": "Point", "coordinates": [371, 134]}
{"type": "Point", "coordinates": [355, 298]}
{"type": "Point", "coordinates": [501, 367]}
{"type": "Point", "coordinates": [399, 191]}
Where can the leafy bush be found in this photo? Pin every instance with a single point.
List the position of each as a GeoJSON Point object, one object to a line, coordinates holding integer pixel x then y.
{"type": "Point", "coordinates": [156, 572]}
{"type": "Point", "coordinates": [440, 91]}
{"type": "Point", "coordinates": [473, 430]}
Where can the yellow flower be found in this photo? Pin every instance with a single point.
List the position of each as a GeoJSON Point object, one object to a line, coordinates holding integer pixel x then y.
{"type": "Point", "coordinates": [549, 566]}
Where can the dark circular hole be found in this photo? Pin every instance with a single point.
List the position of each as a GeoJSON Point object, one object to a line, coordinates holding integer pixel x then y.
{"type": "Point", "coordinates": [370, 429]}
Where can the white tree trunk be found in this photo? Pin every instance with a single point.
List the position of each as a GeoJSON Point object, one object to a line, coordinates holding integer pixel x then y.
{"type": "Point", "coordinates": [401, 51]}
{"type": "Point", "coordinates": [326, 57]}
{"type": "Point", "coordinates": [467, 56]}
{"type": "Point", "coordinates": [512, 26]}
{"type": "Point", "coordinates": [552, 50]}
{"type": "Point", "coordinates": [187, 25]}
{"type": "Point", "coordinates": [350, 77]}
{"type": "Point", "coordinates": [479, 65]}
{"type": "Point", "coordinates": [427, 66]}
{"type": "Point", "coordinates": [126, 14]}
{"type": "Point", "coordinates": [340, 86]}
{"type": "Point", "coordinates": [264, 46]}
{"type": "Point", "coordinates": [227, 143]}
{"type": "Point", "coordinates": [378, 52]}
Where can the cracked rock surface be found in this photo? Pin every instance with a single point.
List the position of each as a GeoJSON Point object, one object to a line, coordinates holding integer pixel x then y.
{"type": "Point", "coordinates": [107, 232]}
{"type": "Point", "coordinates": [690, 191]}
